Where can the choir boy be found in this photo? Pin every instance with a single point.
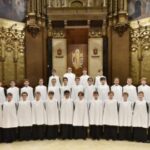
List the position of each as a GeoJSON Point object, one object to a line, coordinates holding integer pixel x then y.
{"type": "Point", "coordinates": [103, 89]}
{"type": "Point", "coordinates": [76, 89]}
{"type": "Point", "coordinates": [117, 89]}
{"type": "Point", "coordinates": [28, 89]}
{"type": "Point", "coordinates": [2, 93]}
{"type": "Point", "coordinates": [52, 113]}
{"type": "Point", "coordinates": [14, 91]}
{"type": "Point", "coordinates": [125, 118]}
{"type": "Point", "coordinates": [64, 87]}
{"type": "Point", "coordinates": [9, 119]}
{"type": "Point", "coordinates": [89, 90]}
{"type": "Point", "coordinates": [96, 116]}
{"type": "Point", "coordinates": [55, 89]}
{"type": "Point", "coordinates": [24, 117]}
{"type": "Point", "coordinates": [38, 118]}
{"type": "Point", "coordinates": [70, 76]}
{"type": "Point", "coordinates": [80, 118]}
{"type": "Point", "coordinates": [54, 76]}
{"type": "Point", "coordinates": [145, 89]}
{"type": "Point", "coordinates": [66, 116]}
{"type": "Point", "coordinates": [140, 119]}
{"type": "Point", "coordinates": [110, 117]}
{"type": "Point", "coordinates": [42, 89]}
{"type": "Point", "coordinates": [131, 90]}
{"type": "Point", "coordinates": [84, 78]}
{"type": "Point", "coordinates": [98, 77]}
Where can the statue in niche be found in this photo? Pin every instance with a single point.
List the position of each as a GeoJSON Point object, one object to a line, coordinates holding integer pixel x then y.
{"type": "Point", "coordinates": [77, 59]}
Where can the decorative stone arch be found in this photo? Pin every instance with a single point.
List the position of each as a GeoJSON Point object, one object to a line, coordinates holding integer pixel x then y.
{"type": "Point", "coordinates": [77, 3]}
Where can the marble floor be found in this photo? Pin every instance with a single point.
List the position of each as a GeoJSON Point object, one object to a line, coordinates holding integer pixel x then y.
{"type": "Point", "coordinates": [75, 145]}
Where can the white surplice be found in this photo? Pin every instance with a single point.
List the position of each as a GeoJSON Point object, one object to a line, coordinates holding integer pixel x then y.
{"type": "Point", "coordinates": [80, 117]}
{"type": "Point", "coordinates": [131, 90]}
{"type": "Point", "coordinates": [15, 92]}
{"type": "Point", "coordinates": [140, 114]}
{"type": "Point", "coordinates": [110, 116]}
{"type": "Point", "coordinates": [38, 113]}
{"type": "Point", "coordinates": [117, 89]}
{"type": "Point", "coordinates": [71, 78]}
{"type": "Point", "coordinates": [57, 80]}
{"type": "Point", "coordinates": [9, 115]}
{"type": "Point", "coordinates": [125, 114]}
{"type": "Point", "coordinates": [2, 95]}
{"type": "Point", "coordinates": [103, 91]}
{"type": "Point", "coordinates": [96, 112]}
{"type": "Point", "coordinates": [24, 114]}
{"type": "Point", "coordinates": [66, 111]}
{"type": "Point", "coordinates": [43, 90]}
{"type": "Point", "coordinates": [29, 90]}
{"type": "Point", "coordinates": [146, 90]}
{"type": "Point", "coordinates": [75, 90]}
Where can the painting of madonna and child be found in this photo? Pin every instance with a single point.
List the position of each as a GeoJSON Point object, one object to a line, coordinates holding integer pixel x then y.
{"type": "Point", "coordinates": [138, 9]}
{"type": "Point", "coordinates": [13, 9]}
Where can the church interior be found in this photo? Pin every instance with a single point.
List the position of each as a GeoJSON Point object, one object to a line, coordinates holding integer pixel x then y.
{"type": "Point", "coordinates": [112, 36]}
{"type": "Point", "coordinates": [43, 35]}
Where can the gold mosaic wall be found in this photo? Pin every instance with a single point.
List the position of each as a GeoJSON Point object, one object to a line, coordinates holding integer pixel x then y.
{"type": "Point", "coordinates": [140, 49]}
{"type": "Point", "coordinates": [12, 54]}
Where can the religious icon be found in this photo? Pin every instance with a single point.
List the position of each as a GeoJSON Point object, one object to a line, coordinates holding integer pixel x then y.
{"type": "Point", "coordinates": [59, 52]}
{"type": "Point", "coordinates": [77, 59]}
{"type": "Point", "coordinates": [95, 51]}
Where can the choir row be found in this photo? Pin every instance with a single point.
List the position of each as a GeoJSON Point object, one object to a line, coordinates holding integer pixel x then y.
{"type": "Point", "coordinates": [70, 118]}
{"type": "Point", "coordinates": [87, 87]}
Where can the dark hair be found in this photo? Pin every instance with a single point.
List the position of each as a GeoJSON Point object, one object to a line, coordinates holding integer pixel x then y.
{"type": "Point", "coordinates": [81, 93]}
{"type": "Point", "coordinates": [90, 78]}
{"type": "Point", "coordinates": [141, 92]}
{"type": "Point", "coordinates": [50, 93]}
{"type": "Point", "coordinates": [95, 92]}
{"type": "Point", "coordinates": [65, 78]}
{"type": "Point", "coordinates": [111, 92]}
{"type": "Point", "coordinates": [125, 93]}
{"type": "Point", "coordinates": [24, 93]}
{"type": "Point", "coordinates": [9, 94]}
{"type": "Point", "coordinates": [66, 92]}
{"type": "Point", "coordinates": [103, 79]}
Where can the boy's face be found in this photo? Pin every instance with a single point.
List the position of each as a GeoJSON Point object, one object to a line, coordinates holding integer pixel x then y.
{"type": "Point", "coordinates": [129, 81]}
{"type": "Point", "coordinates": [9, 98]}
{"type": "Point", "coordinates": [111, 96]}
{"type": "Point", "coordinates": [143, 82]}
{"type": "Point", "coordinates": [95, 96]}
{"type": "Point", "coordinates": [69, 70]}
{"type": "Point", "coordinates": [84, 72]}
{"type": "Point", "coordinates": [50, 96]}
{"type": "Point", "coordinates": [125, 97]}
{"type": "Point", "coordinates": [67, 95]}
{"type": "Point", "coordinates": [90, 81]}
{"type": "Point", "coordinates": [103, 82]}
{"type": "Point", "coordinates": [53, 81]}
{"type": "Point", "coordinates": [116, 81]}
{"type": "Point", "coordinates": [26, 83]}
{"type": "Point", "coordinates": [80, 96]}
{"type": "Point", "coordinates": [65, 81]}
{"type": "Point", "coordinates": [77, 81]}
{"type": "Point", "coordinates": [41, 82]}
{"type": "Point", "coordinates": [24, 97]}
{"type": "Point", "coordinates": [140, 96]}
{"type": "Point", "coordinates": [37, 96]}
{"type": "Point", "coordinates": [12, 83]}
